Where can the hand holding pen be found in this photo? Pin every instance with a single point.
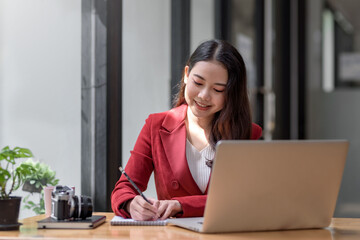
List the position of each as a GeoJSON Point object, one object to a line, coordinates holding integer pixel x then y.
{"type": "Point", "coordinates": [141, 208]}
{"type": "Point", "coordinates": [138, 209]}
{"type": "Point", "coordinates": [134, 185]}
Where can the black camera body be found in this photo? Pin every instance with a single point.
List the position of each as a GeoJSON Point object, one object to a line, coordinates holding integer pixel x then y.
{"type": "Point", "coordinates": [65, 205]}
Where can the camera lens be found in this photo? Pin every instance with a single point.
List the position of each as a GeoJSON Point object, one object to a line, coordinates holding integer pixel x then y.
{"type": "Point", "coordinates": [81, 207]}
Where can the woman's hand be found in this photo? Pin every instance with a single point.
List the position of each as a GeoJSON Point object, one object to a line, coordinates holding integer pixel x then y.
{"type": "Point", "coordinates": [169, 208]}
{"type": "Point", "coordinates": [139, 209]}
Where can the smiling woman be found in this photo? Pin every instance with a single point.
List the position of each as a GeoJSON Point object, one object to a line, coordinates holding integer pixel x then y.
{"type": "Point", "coordinates": [223, 65]}
{"type": "Point", "coordinates": [212, 105]}
{"type": "Point", "coordinates": [204, 93]}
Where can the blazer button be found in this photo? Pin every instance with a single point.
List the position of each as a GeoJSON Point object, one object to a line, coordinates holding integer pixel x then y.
{"type": "Point", "coordinates": [175, 184]}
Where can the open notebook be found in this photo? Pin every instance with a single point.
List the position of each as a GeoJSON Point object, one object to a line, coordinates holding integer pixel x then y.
{"type": "Point", "coordinates": [117, 220]}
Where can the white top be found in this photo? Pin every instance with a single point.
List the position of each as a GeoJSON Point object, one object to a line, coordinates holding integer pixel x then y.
{"type": "Point", "coordinates": [197, 164]}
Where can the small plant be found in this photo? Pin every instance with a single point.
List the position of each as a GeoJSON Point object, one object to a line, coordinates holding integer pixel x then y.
{"type": "Point", "coordinates": [12, 177]}
{"type": "Point", "coordinates": [42, 176]}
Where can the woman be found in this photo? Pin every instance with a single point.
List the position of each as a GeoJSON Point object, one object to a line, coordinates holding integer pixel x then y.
{"type": "Point", "coordinates": [178, 145]}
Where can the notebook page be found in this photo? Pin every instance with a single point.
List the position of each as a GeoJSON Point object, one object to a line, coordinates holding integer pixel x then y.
{"type": "Point", "coordinates": [117, 220]}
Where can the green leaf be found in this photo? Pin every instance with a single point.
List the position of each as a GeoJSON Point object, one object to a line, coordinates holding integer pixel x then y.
{"type": "Point", "coordinates": [4, 175]}
{"type": "Point", "coordinates": [55, 182]}
{"type": "Point", "coordinates": [26, 198]}
{"type": "Point", "coordinates": [7, 148]}
{"type": "Point", "coordinates": [23, 152]}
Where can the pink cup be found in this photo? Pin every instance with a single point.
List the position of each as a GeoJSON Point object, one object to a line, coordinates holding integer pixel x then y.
{"type": "Point", "coordinates": [47, 200]}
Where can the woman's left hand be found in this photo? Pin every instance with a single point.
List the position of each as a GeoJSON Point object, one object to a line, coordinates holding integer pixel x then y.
{"type": "Point", "coordinates": [169, 208]}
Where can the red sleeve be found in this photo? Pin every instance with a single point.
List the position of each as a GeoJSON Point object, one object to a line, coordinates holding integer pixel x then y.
{"type": "Point", "coordinates": [256, 131]}
{"type": "Point", "coordinates": [139, 169]}
{"type": "Point", "coordinates": [192, 206]}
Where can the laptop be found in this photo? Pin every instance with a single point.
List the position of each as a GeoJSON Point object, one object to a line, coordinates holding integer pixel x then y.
{"type": "Point", "coordinates": [271, 185]}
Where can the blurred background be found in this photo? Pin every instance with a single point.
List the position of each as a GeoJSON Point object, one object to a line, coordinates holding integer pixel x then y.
{"type": "Point", "coordinates": [78, 78]}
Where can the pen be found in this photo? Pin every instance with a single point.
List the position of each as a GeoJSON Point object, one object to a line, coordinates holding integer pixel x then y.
{"type": "Point", "coordinates": [134, 185]}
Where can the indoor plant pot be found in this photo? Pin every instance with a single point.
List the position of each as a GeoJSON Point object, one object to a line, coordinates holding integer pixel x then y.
{"type": "Point", "coordinates": [11, 178]}
{"type": "Point", "coordinates": [9, 213]}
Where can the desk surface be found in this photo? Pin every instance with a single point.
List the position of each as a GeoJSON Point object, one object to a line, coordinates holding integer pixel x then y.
{"type": "Point", "coordinates": [340, 228]}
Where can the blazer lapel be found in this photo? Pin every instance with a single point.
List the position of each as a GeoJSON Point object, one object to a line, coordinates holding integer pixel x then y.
{"type": "Point", "coordinates": [173, 138]}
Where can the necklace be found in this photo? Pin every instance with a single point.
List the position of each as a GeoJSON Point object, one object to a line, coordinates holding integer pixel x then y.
{"type": "Point", "coordinates": [209, 162]}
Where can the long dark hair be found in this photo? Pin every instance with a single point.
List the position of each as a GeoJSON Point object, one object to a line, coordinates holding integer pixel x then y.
{"type": "Point", "coordinates": [234, 120]}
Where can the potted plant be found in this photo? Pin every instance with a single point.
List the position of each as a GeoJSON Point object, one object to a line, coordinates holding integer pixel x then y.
{"type": "Point", "coordinates": [42, 177]}
{"type": "Point", "coordinates": [12, 176]}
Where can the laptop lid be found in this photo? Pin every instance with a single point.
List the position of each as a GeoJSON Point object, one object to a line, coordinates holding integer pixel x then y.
{"type": "Point", "coordinates": [261, 185]}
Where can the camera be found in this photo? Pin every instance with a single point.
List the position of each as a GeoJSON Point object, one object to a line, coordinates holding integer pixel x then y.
{"type": "Point", "coordinates": [65, 205]}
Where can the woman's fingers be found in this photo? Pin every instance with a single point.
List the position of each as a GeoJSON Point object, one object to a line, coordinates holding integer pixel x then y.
{"type": "Point", "coordinates": [142, 210]}
{"type": "Point", "coordinates": [169, 208]}
{"type": "Point", "coordinates": [167, 213]}
{"type": "Point", "coordinates": [162, 208]}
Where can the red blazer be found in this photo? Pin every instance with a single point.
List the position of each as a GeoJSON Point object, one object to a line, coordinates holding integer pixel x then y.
{"type": "Point", "coordinates": [160, 147]}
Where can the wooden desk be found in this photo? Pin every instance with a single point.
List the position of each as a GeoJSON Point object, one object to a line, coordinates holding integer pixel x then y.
{"type": "Point", "coordinates": [341, 228]}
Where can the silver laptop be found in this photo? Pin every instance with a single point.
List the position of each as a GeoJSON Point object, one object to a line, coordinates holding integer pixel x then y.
{"type": "Point", "coordinates": [271, 185]}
